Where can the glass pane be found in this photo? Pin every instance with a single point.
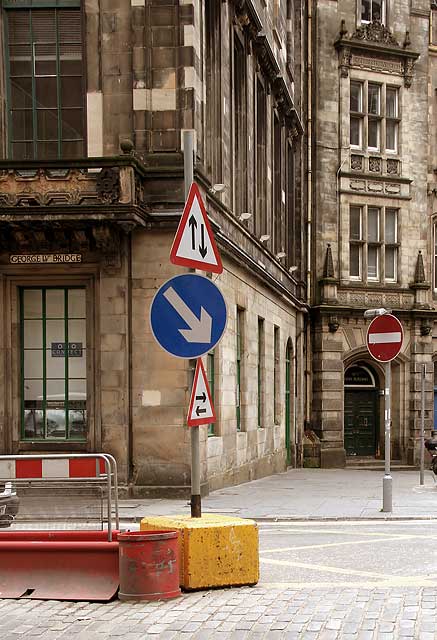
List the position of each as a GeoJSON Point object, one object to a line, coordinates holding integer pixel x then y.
{"type": "Point", "coordinates": [76, 303]}
{"type": "Point", "coordinates": [392, 103]}
{"type": "Point", "coordinates": [72, 127]}
{"type": "Point", "coordinates": [77, 365]}
{"type": "Point", "coordinates": [55, 303]}
{"type": "Point", "coordinates": [390, 226]}
{"type": "Point", "coordinates": [77, 423]}
{"type": "Point", "coordinates": [72, 149]}
{"type": "Point", "coordinates": [21, 93]}
{"type": "Point", "coordinates": [373, 224]}
{"type": "Point", "coordinates": [55, 331]}
{"type": "Point", "coordinates": [55, 365]}
{"type": "Point", "coordinates": [33, 390]}
{"type": "Point", "coordinates": [355, 223]}
{"type": "Point", "coordinates": [365, 10]}
{"type": "Point", "coordinates": [55, 419]}
{"type": "Point", "coordinates": [77, 331]}
{"type": "Point", "coordinates": [55, 390]}
{"type": "Point", "coordinates": [32, 334]}
{"type": "Point", "coordinates": [378, 10]}
{"type": "Point", "coordinates": [47, 150]}
{"type": "Point", "coordinates": [71, 91]}
{"type": "Point", "coordinates": [33, 423]}
{"type": "Point", "coordinates": [355, 132]}
{"type": "Point", "coordinates": [22, 151]}
{"type": "Point", "coordinates": [354, 261]}
{"type": "Point", "coordinates": [33, 360]}
{"type": "Point", "coordinates": [390, 263]}
{"type": "Point", "coordinates": [373, 101]}
{"type": "Point", "coordinates": [77, 389]}
{"type": "Point", "coordinates": [32, 303]}
{"type": "Point", "coordinates": [22, 125]}
{"type": "Point", "coordinates": [372, 263]}
{"type": "Point", "coordinates": [47, 124]}
{"type": "Point", "coordinates": [391, 135]}
{"type": "Point", "coordinates": [355, 97]}
{"type": "Point", "coordinates": [46, 93]}
{"type": "Point", "coordinates": [373, 134]}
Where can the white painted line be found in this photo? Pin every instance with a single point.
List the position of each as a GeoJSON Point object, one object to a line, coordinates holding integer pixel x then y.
{"type": "Point", "coordinates": [382, 338]}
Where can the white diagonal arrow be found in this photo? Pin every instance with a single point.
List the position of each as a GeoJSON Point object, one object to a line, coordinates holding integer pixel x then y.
{"type": "Point", "coordinates": [200, 330]}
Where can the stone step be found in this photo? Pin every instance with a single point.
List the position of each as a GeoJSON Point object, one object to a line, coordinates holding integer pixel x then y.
{"type": "Point", "coordinates": [372, 464]}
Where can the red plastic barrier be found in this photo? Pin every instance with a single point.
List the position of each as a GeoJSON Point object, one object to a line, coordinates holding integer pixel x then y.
{"type": "Point", "coordinates": [58, 565]}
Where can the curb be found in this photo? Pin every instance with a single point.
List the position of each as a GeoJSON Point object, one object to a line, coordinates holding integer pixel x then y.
{"type": "Point", "coordinates": [137, 519]}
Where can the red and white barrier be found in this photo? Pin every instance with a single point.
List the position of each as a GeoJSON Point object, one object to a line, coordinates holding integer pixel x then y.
{"type": "Point", "coordinates": [52, 468]}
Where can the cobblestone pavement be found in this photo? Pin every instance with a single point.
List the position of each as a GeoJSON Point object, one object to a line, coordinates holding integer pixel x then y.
{"type": "Point", "coordinates": [237, 614]}
{"type": "Point", "coordinates": [319, 581]}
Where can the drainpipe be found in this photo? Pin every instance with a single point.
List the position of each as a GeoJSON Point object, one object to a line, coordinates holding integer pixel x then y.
{"type": "Point", "coordinates": [309, 205]}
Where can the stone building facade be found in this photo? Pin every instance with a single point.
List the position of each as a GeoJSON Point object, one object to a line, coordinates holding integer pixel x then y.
{"type": "Point", "coordinates": [373, 82]}
{"type": "Point", "coordinates": [94, 100]}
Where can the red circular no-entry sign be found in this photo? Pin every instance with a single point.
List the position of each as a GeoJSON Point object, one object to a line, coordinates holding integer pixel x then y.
{"type": "Point", "coordinates": [384, 337]}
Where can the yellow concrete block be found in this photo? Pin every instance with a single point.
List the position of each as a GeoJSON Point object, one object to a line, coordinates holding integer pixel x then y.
{"type": "Point", "coordinates": [215, 550]}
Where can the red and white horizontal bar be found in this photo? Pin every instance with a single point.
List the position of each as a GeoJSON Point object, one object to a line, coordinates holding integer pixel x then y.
{"type": "Point", "coordinates": [50, 468]}
{"type": "Point", "coordinates": [383, 338]}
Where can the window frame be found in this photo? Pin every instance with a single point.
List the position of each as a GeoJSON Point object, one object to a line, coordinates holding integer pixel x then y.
{"type": "Point", "coordinates": [380, 118]}
{"type": "Point", "coordinates": [66, 288]}
{"type": "Point", "coordinates": [383, 19]}
{"type": "Point", "coordinates": [35, 143]}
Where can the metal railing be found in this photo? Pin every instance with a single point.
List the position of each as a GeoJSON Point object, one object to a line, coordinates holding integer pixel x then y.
{"type": "Point", "coordinates": [108, 479]}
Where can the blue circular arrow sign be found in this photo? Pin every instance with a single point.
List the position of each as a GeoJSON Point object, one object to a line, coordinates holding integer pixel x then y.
{"type": "Point", "coordinates": [188, 315]}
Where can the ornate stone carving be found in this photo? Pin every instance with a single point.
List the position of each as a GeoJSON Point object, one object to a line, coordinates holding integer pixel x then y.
{"type": "Point", "coordinates": [376, 187]}
{"type": "Point", "coordinates": [356, 162]}
{"type": "Point", "coordinates": [345, 62]}
{"type": "Point", "coordinates": [375, 165]}
{"type": "Point", "coordinates": [392, 189]}
{"type": "Point", "coordinates": [375, 32]}
{"type": "Point", "coordinates": [393, 166]}
{"type": "Point", "coordinates": [108, 185]}
{"type": "Point", "coordinates": [357, 185]}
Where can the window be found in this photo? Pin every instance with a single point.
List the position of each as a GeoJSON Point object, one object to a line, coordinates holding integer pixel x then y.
{"type": "Point", "coordinates": [374, 108]}
{"type": "Point", "coordinates": [213, 128]}
{"type": "Point", "coordinates": [276, 362]}
{"type": "Point", "coordinates": [53, 363]}
{"type": "Point", "coordinates": [435, 255]}
{"type": "Point", "coordinates": [240, 128]}
{"type": "Point", "coordinates": [45, 83]}
{"type": "Point", "coordinates": [292, 231]}
{"type": "Point", "coordinates": [261, 160]}
{"type": "Point", "coordinates": [260, 372]}
{"type": "Point", "coordinates": [277, 224]}
{"type": "Point", "coordinates": [373, 243]}
{"type": "Point", "coordinates": [239, 346]}
{"type": "Point", "coordinates": [433, 24]}
{"type": "Point", "coordinates": [210, 374]}
{"type": "Point", "coordinates": [373, 10]}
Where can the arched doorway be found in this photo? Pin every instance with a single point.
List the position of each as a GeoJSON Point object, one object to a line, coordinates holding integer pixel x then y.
{"type": "Point", "coordinates": [360, 411]}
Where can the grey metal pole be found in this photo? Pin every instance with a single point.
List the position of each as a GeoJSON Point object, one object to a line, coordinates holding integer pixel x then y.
{"type": "Point", "coordinates": [196, 504]}
{"type": "Point", "coordinates": [387, 480]}
{"type": "Point", "coordinates": [422, 426]}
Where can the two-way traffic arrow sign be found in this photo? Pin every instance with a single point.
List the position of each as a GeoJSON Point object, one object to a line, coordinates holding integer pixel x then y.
{"type": "Point", "coordinates": [194, 245]}
{"type": "Point", "coordinates": [201, 409]}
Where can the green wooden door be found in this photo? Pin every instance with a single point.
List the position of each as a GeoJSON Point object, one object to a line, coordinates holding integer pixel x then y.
{"type": "Point", "coordinates": [360, 422]}
{"type": "Point", "coordinates": [288, 402]}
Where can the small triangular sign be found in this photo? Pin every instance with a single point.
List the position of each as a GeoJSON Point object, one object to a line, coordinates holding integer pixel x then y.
{"type": "Point", "coordinates": [201, 409]}
{"type": "Point", "coordinates": [194, 245]}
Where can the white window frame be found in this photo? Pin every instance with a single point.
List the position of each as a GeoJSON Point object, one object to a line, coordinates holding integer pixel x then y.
{"type": "Point", "coordinates": [381, 118]}
{"type": "Point", "coordinates": [383, 11]}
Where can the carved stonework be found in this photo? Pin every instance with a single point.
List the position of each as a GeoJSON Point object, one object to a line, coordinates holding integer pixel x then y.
{"type": "Point", "coordinates": [356, 162]}
{"type": "Point", "coordinates": [375, 32]}
{"type": "Point", "coordinates": [345, 62]}
{"type": "Point", "coordinates": [393, 167]}
{"type": "Point", "coordinates": [247, 16]}
{"type": "Point", "coordinates": [375, 165]}
{"type": "Point", "coordinates": [108, 185]}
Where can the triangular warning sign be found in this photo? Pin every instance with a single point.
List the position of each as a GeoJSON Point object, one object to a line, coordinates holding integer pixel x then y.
{"type": "Point", "coordinates": [194, 245]}
{"type": "Point", "coordinates": [201, 409]}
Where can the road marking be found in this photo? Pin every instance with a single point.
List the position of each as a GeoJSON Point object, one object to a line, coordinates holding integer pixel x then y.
{"type": "Point", "coordinates": [370, 534]}
{"type": "Point", "coordinates": [320, 567]}
{"type": "Point", "coordinates": [334, 544]}
{"type": "Point", "coordinates": [386, 584]}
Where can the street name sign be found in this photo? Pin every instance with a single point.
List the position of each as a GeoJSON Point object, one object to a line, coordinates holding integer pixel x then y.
{"type": "Point", "coordinates": [194, 245]}
{"type": "Point", "coordinates": [188, 315]}
{"type": "Point", "coordinates": [384, 337]}
{"type": "Point", "coordinates": [201, 409]}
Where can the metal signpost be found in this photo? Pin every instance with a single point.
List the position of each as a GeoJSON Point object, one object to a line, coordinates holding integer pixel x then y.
{"type": "Point", "coordinates": [188, 313]}
{"type": "Point", "coordinates": [384, 342]}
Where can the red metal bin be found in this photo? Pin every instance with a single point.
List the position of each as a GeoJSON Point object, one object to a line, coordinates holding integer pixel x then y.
{"type": "Point", "coordinates": [149, 565]}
